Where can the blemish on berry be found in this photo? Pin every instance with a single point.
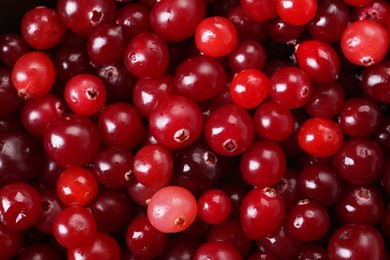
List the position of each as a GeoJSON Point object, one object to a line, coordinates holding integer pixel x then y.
{"type": "Point", "coordinates": [230, 145]}
{"type": "Point", "coordinates": [181, 135]}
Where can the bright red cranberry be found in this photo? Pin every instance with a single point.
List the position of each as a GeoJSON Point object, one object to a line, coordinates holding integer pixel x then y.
{"type": "Point", "coordinates": [320, 137]}
{"type": "Point", "coordinates": [147, 55]}
{"type": "Point", "coordinates": [20, 205]}
{"type": "Point", "coordinates": [199, 78]}
{"type": "Point", "coordinates": [229, 130]}
{"type": "Point", "coordinates": [172, 209]}
{"type": "Point", "coordinates": [259, 11]}
{"type": "Point", "coordinates": [33, 74]}
{"type": "Point", "coordinates": [290, 87]}
{"type": "Point", "coordinates": [359, 161]}
{"type": "Point", "coordinates": [38, 112]}
{"type": "Point", "coordinates": [120, 124]}
{"type": "Point", "coordinates": [214, 206]}
{"type": "Point", "coordinates": [248, 54]}
{"type": "Point", "coordinates": [262, 212]}
{"type": "Point", "coordinates": [217, 249]}
{"type": "Point", "coordinates": [74, 227]}
{"type": "Point", "coordinates": [375, 81]}
{"type": "Point", "coordinates": [76, 186]}
{"type": "Point", "coordinates": [318, 60]}
{"type": "Point", "coordinates": [354, 241]}
{"type": "Point", "coordinates": [249, 88]}
{"type": "Point", "coordinates": [102, 246]}
{"type": "Point", "coordinates": [134, 18]}
{"type": "Point", "coordinates": [71, 140]}
{"type": "Point", "coordinates": [42, 28]}
{"type": "Point", "coordinates": [176, 20]}
{"type": "Point", "coordinates": [296, 12]}
{"type": "Point", "coordinates": [176, 122]}
{"type": "Point", "coordinates": [9, 99]}
{"type": "Point", "coordinates": [216, 36]}
{"type": "Point", "coordinates": [81, 17]}
{"type": "Point", "coordinates": [365, 42]}
{"type": "Point", "coordinates": [12, 46]}
{"type": "Point", "coordinates": [11, 242]}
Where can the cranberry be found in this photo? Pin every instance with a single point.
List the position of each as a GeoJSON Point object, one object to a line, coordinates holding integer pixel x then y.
{"type": "Point", "coordinates": [296, 12]}
{"type": "Point", "coordinates": [12, 46]}
{"type": "Point", "coordinates": [259, 11]}
{"type": "Point", "coordinates": [9, 99]}
{"type": "Point", "coordinates": [134, 18]}
{"type": "Point", "coordinates": [216, 249]}
{"type": "Point", "coordinates": [11, 242]}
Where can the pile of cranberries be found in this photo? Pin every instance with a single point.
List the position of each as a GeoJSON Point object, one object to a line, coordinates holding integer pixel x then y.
{"type": "Point", "coordinates": [196, 129]}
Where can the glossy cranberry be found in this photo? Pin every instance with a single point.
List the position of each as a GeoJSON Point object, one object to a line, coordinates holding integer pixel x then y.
{"type": "Point", "coordinates": [147, 92]}
{"type": "Point", "coordinates": [318, 60]}
{"type": "Point", "coordinates": [181, 247]}
{"type": "Point", "coordinates": [168, 17]}
{"type": "Point", "coordinates": [120, 124]}
{"type": "Point", "coordinates": [199, 78]}
{"type": "Point", "coordinates": [296, 12]}
{"type": "Point", "coordinates": [360, 117]}
{"type": "Point", "coordinates": [216, 36]}
{"type": "Point", "coordinates": [38, 251]}
{"type": "Point", "coordinates": [103, 247]}
{"type": "Point", "coordinates": [140, 193]}
{"type": "Point", "coordinates": [365, 42]}
{"type": "Point", "coordinates": [330, 21]}
{"type": "Point", "coordinates": [273, 121]}
{"type": "Point", "coordinates": [326, 100]}
{"type": "Point", "coordinates": [20, 155]}
{"type": "Point", "coordinates": [71, 140]}
{"type": "Point", "coordinates": [11, 242]}
{"type": "Point", "coordinates": [12, 46]}
{"type": "Point", "coordinates": [290, 87]}
{"type": "Point", "coordinates": [81, 17]}
{"type": "Point", "coordinates": [217, 249]}
{"type": "Point", "coordinates": [359, 161]}
{"type": "Point", "coordinates": [229, 130]}
{"type": "Point", "coordinates": [249, 88]}
{"type": "Point", "coordinates": [280, 31]}
{"type": "Point", "coordinates": [313, 251]}
{"type": "Point", "coordinates": [42, 28]}
{"type": "Point", "coordinates": [9, 99]}
{"type": "Point", "coordinates": [214, 206]}
{"type": "Point", "coordinates": [38, 112]}
{"type": "Point", "coordinates": [320, 137]}
{"type": "Point", "coordinates": [262, 212]}
{"type": "Point", "coordinates": [354, 241]}
{"type": "Point", "coordinates": [176, 122]}
{"type": "Point", "coordinates": [375, 81]}
{"type": "Point", "coordinates": [320, 183]}
{"type": "Point", "coordinates": [20, 205]}
{"type": "Point", "coordinates": [360, 205]}
{"type": "Point", "coordinates": [248, 54]}
{"type": "Point", "coordinates": [134, 18]}
{"type": "Point", "coordinates": [33, 74]}
{"type": "Point", "coordinates": [259, 11]}
{"type": "Point", "coordinates": [288, 188]}
{"type": "Point", "coordinates": [146, 55]}
{"type": "Point", "coordinates": [376, 10]}
{"type": "Point", "coordinates": [307, 221]}
{"type": "Point", "coordinates": [74, 227]}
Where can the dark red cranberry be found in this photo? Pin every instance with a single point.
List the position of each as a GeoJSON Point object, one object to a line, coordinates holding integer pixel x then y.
{"type": "Point", "coordinates": [134, 18]}
{"type": "Point", "coordinates": [9, 99]}
{"type": "Point", "coordinates": [12, 46]}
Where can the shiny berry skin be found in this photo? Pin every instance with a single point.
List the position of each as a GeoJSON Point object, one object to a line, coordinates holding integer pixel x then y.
{"type": "Point", "coordinates": [85, 94]}
{"type": "Point", "coordinates": [146, 55]}
{"type": "Point", "coordinates": [38, 251]}
{"type": "Point", "coordinates": [81, 17]}
{"type": "Point", "coordinates": [12, 46]}
{"type": "Point", "coordinates": [217, 250]}
{"type": "Point", "coordinates": [216, 36]}
{"type": "Point", "coordinates": [168, 17]}
{"type": "Point", "coordinates": [259, 11]}
{"type": "Point", "coordinates": [74, 227]}
{"type": "Point", "coordinates": [134, 18]}
{"type": "Point", "coordinates": [199, 78]}
{"type": "Point", "coordinates": [20, 205]}
{"type": "Point", "coordinates": [375, 81]}
{"type": "Point", "coordinates": [262, 212]}
{"type": "Point", "coordinates": [318, 60]}
{"type": "Point", "coordinates": [176, 122]}
{"type": "Point", "coordinates": [33, 74]}
{"type": "Point", "coordinates": [38, 112]}
{"type": "Point", "coordinates": [102, 246]}
{"type": "Point", "coordinates": [263, 164]}
{"type": "Point", "coordinates": [248, 54]}
{"type": "Point", "coordinates": [376, 10]}
{"type": "Point", "coordinates": [140, 193]}
{"type": "Point", "coordinates": [365, 42]}
{"type": "Point", "coordinates": [120, 124]}
{"type": "Point", "coordinates": [229, 130]}
{"type": "Point", "coordinates": [76, 186]}
{"type": "Point", "coordinates": [356, 241]}
{"type": "Point", "coordinates": [71, 140]}
{"type": "Point", "coordinates": [290, 87]}
{"type": "Point", "coordinates": [172, 209]}
{"type": "Point", "coordinates": [153, 165]}
{"type": "Point", "coordinates": [249, 88]}
{"type": "Point", "coordinates": [9, 99]}
{"type": "Point", "coordinates": [11, 242]}
{"type": "Point", "coordinates": [308, 221]}
{"type": "Point", "coordinates": [214, 207]}
{"type": "Point", "coordinates": [282, 32]}
{"type": "Point", "coordinates": [320, 137]}
{"type": "Point", "coordinates": [273, 121]}
{"type": "Point", "coordinates": [359, 161]}
{"type": "Point", "coordinates": [296, 12]}
{"type": "Point", "coordinates": [42, 28]}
